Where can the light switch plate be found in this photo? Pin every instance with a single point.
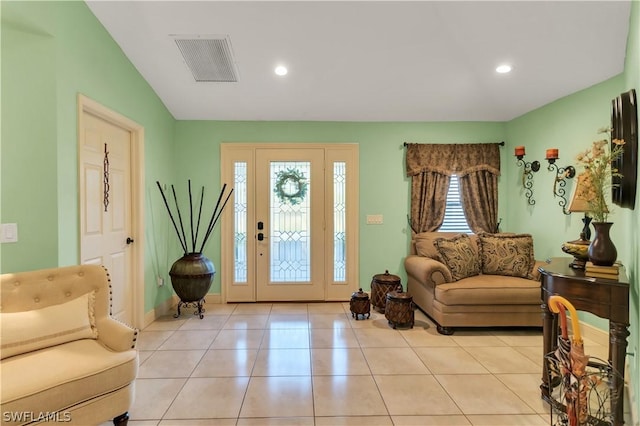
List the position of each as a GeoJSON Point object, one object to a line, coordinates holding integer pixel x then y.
{"type": "Point", "coordinates": [374, 219]}
{"type": "Point", "coordinates": [9, 233]}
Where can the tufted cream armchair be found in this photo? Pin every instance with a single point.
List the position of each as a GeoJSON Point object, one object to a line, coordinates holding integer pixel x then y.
{"type": "Point", "coordinates": [64, 359]}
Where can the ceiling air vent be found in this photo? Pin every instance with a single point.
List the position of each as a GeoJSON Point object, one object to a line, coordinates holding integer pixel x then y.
{"type": "Point", "coordinates": [209, 59]}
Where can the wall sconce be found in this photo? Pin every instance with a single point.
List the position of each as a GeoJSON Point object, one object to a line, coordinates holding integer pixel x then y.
{"type": "Point", "coordinates": [562, 173]}
{"type": "Point", "coordinates": [527, 173]}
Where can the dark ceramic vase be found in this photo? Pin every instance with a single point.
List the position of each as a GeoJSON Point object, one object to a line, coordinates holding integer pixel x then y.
{"type": "Point", "coordinates": [602, 251]}
{"type": "Point", "coordinates": [191, 277]}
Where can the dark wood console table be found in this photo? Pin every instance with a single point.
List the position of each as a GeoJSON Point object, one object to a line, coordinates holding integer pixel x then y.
{"type": "Point", "coordinates": [605, 298]}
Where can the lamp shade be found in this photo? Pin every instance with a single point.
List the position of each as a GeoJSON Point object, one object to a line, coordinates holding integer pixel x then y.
{"type": "Point", "coordinates": [580, 196]}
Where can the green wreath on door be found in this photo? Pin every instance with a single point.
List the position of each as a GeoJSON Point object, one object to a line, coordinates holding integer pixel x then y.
{"type": "Point", "coordinates": [291, 186]}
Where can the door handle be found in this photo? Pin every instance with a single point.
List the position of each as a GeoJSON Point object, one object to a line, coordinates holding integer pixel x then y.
{"type": "Point", "coordinates": [129, 240]}
{"type": "Point", "coordinates": [261, 236]}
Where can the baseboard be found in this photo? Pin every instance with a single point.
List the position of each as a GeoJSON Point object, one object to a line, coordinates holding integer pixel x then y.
{"type": "Point", "coordinates": [159, 311]}
{"type": "Point", "coordinates": [214, 298]}
{"type": "Point", "coordinates": [168, 306]}
{"type": "Point", "coordinates": [601, 337]}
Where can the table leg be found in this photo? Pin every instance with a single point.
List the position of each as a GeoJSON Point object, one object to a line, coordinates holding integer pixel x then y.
{"type": "Point", "coordinates": [618, 334]}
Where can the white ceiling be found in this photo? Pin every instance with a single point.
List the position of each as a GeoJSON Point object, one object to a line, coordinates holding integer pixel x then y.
{"type": "Point", "coordinates": [374, 61]}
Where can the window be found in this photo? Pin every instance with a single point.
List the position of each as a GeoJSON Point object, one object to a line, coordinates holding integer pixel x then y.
{"type": "Point", "coordinates": [454, 218]}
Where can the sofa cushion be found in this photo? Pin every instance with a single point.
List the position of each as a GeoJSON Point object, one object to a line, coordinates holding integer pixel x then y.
{"type": "Point", "coordinates": [460, 254]}
{"type": "Point", "coordinates": [507, 254]}
{"type": "Point", "coordinates": [40, 328]}
{"type": "Point", "coordinates": [426, 248]}
{"type": "Point", "coordinates": [56, 378]}
{"type": "Point", "coordinates": [489, 290]}
{"type": "Point", "coordinates": [423, 243]}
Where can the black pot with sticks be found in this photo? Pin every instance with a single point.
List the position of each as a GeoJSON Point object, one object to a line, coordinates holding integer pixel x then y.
{"type": "Point", "coordinates": [192, 274]}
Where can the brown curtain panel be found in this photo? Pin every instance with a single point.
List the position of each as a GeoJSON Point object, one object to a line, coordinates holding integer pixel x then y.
{"type": "Point", "coordinates": [479, 191]}
{"type": "Point", "coordinates": [428, 200]}
{"type": "Point", "coordinates": [430, 167]}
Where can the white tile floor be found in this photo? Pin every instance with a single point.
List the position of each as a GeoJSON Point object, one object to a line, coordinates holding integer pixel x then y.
{"type": "Point", "coordinates": [313, 364]}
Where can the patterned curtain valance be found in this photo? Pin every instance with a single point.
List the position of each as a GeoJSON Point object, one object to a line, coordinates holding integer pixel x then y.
{"type": "Point", "coordinates": [449, 159]}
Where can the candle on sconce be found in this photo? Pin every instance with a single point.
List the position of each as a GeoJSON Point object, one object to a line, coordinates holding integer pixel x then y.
{"type": "Point", "coordinates": [519, 151]}
{"type": "Point", "coordinates": [552, 154]}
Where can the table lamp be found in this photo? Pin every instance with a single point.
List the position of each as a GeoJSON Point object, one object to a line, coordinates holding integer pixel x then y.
{"type": "Point", "coordinates": [579, 204]}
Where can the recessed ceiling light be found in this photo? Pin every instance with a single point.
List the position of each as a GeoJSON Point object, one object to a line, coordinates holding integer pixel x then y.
{"type": "Point", "coordinates": [503, 69]}
{"type": "Point", "coordinates": [281, 70]}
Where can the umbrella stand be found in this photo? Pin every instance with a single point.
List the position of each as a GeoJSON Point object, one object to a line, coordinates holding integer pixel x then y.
{"type": "Point", "coordinates": [584, 392]}
{"type": "Point", "coordinates": [559, 305]}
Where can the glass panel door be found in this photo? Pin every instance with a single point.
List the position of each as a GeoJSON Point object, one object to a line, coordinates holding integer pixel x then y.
{"type": "Point", "coordinates": [290, 224]}
{"type": "Point", "coordinates": [290, 218]}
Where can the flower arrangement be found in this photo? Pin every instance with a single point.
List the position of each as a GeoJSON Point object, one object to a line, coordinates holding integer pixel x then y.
{"type": "Point", "coordinates": [598, 171]}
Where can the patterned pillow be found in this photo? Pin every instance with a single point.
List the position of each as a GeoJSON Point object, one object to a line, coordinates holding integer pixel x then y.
{"type": "Point", "coordinates": [507, 254]}
{"type": "Point", "coordinates": [460, 254]}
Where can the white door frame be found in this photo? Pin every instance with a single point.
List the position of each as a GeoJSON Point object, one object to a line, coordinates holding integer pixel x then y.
{"type": "Point", "coordinates": [88, 105]}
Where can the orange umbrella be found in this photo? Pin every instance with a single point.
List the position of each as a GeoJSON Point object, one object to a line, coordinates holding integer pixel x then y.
{"type": "Point", "coordinates": [573, 362]}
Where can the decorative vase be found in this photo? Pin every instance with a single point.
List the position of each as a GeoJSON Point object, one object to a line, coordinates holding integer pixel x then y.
{"type": "Point", "coordinates": [602, 251]}
{"type": "Point", "coordinates": [191, 278]}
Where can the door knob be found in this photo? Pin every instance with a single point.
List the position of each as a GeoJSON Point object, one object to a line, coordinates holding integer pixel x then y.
{"type": "Point", "coordinates": [129, 240]}
{"type": "Point", "coordinates": [260, 236]}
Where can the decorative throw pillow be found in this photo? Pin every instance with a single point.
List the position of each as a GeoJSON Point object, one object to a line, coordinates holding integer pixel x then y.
{"type": "Point", "coordinates": [507, 254]}
{"type": "Point", "coordinates": [460, 254]}
{"type": "Point", "coordinates": [40, 328]}
{"type": "Point", "coordinates": [425, 247]}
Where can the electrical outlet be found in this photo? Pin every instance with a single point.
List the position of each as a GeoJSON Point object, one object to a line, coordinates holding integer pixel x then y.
{"type": "Point", "coordinates": [160, 281]}
{"type": "Point", "coordinates": [374, 219]}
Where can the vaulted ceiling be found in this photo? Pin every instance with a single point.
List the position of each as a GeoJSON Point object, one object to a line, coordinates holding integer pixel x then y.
{"type": "Point", "coordinates": [372, 60]}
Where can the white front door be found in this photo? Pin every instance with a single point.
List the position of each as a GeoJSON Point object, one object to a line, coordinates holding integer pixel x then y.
{"type": "Point", "coordinates": [105, 207]}
{"type": "Point", "coordinates": [290, 224]}
{"type": "Point", "coordinates": [291, 232]}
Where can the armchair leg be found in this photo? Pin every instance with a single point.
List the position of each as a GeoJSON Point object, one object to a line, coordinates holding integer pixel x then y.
{"type": "Point", "coordinates": [447, 331]}
{"type": "Point", "coordinates": [122, 419]}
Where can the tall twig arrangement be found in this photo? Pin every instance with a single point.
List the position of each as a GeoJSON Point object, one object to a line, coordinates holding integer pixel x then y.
{"type": "Point", "coordinates": [180, 231]}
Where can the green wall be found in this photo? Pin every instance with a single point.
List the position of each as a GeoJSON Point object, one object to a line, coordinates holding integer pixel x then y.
{"type": "Point", "coordinates": [384, 188]}
{"type": "Point", "coordinates": [29, 147]}
{"type": "Point", "coordinates": [51, 51]}
{"type": "Point", "coordinates": [632, 81]}
{"type": "Point", "coordinates": [569, 124]}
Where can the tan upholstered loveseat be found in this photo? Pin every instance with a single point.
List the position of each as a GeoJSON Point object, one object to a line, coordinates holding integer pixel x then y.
{"type": "Point", "coordinates": [64, 358]}
{"type": "Point", "coordinates": [482, 300]}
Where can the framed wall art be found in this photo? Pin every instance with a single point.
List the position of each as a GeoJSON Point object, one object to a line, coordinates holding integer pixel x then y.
{"type": "Point", "coordinates": [624, 124]}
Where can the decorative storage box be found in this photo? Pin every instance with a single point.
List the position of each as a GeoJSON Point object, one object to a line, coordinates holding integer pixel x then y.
{"type": "Point", "coordinates": [381, 284]}
{"type": "Point", "coordinates": [360, 304]}
{"type": "Point", "coordinates": [399, 310]}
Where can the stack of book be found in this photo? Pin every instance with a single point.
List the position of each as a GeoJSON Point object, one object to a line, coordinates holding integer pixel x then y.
{"type": "Point", "coordinates": [597, 271]}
